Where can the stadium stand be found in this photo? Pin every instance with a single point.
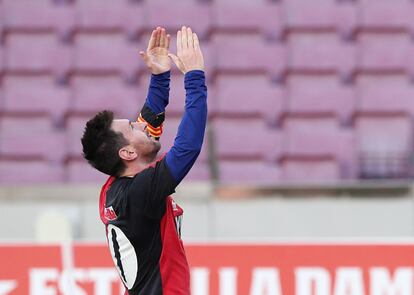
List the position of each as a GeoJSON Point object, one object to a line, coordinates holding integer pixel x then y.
{"type": "Point", "coordinates": [303, 95]}
{"type": "Point", "coordinates": [31, 138]}
{"type": "Point", "coordinates": [50, 98]}
{"type": "Point", "coordinates": [46, 55]}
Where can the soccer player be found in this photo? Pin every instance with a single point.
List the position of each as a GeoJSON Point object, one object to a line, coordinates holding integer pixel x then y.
{"type": "Point", "coordinates": [143, 222]}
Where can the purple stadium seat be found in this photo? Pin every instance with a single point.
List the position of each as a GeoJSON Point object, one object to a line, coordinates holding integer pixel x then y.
{"type": "Point", "coordinates": [384, 144]}
{"type": "Point", "coordinates": [390, 52]}
{"type": "Point", "coordinates": [79, 171]}
{"type": "Point", "coordinates": [243, 17]}
{"type": "Point", "coordinates": [385, 95]}
{"type": "Point", "coordinates": [310, 170]}
{"type": "Point", "coordinates": [248, 95]}
{"type": "Point", "coordinates": [35, 95]}
{"type": "Point", "coordinates": [199, 172]}
{"type": "Point", "coordinates": [95, 93]}
{"type": "Point", "coordinates": [321, 53]}
{"type": "Point", "coordinates": [1, 57]}
{"type": "Point", "coordinates": [97, 15]}
{"type": "Point", "coordinates": [28, 16]}
{"type": "Point", "coordinates": [245, 139]}
{"type": "Point", "coordinates": [105, 54]}
{"type": "Point", "coordinates": [177, 95]}
{"type": "Point", "coordinates": [196, 15]}
{"type": "Point", "coordinates": [74, 131]}
{"type": "Point", "coordinates": [248, 53]}
{"type": "Point", "coordinates": [321, 15]}
{"type": "Point", "coordinates": [320, 95]}
{"type": "Point", "coordinates": [386, 15]}
{"type": "Point", "coordinates": [319, 136]}
{"type": "Point", "coordinates": [29, 172]}
{"type": "Point", "coordinates": [36, 53]}
{"type": "Point", "coordinates": [248, 172]}
{"type": "Point", "coordinates": [170, 129]}
{"type": "Point", "coordinates": [30, 138]}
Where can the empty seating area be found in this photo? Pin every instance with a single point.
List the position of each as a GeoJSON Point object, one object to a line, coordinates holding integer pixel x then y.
{"type": "Point", "coordinates": [300, 91]}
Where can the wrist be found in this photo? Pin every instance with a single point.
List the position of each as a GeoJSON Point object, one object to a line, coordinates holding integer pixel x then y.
{"type": "Point", "coordinates": [165, 74]}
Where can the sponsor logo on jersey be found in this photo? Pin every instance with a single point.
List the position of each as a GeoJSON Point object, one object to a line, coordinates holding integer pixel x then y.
{"type": "Point", "coordinates": [110, 214]}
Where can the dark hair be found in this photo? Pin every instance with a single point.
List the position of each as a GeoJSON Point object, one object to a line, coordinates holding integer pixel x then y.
{"type": "Point", "coordinates": [101, 144]}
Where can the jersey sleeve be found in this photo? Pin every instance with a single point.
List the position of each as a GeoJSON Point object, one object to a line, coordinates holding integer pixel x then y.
{"type": "Point", "coordinates": [190, 134]}
{"type": "Point", "coordinates": [153, 111]}
{"type": "Point", "coordinates": [149, 189]}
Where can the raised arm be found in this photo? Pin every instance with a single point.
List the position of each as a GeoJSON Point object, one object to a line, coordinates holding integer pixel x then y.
{"type": "Point", "coordinates": [190, 135]}
{"type": "Point", "coordinates": [157, 60]}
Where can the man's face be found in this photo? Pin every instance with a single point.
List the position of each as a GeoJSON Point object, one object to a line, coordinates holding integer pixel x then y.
{"type": "Point", "coordinates": [138, 137]}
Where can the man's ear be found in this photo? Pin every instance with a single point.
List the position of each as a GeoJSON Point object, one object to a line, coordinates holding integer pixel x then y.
{"type": "Point", "coordinates": [127, 153]}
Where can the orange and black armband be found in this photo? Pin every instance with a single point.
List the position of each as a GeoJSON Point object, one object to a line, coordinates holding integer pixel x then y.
{"type": "Point", "coordinates": [154, 121]}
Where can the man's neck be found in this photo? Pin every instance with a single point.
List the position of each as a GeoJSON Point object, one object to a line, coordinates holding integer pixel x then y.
{"type": "Point", "coordinates": [136, 167]}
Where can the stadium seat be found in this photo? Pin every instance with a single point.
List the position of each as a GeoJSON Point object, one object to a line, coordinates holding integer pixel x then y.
{"type": "Point", "coordinates": [1, 57]}
{"type": "Point", "coordinates": [31, 16]}
{"type": "Point", "coordinates": [75, 126]}
{"type": "Point", "coordinates": [320, 15]}
{"type": "Point", "coordinates": [384, 145]}
{"type": "Point", "coordinates": [248, 172]}
{"type": "Point", "coordinates": [248, 53]}
{"type": "Point", "coordinates": [319, 136]}
{"type": "Point", "coordinates": [310, 170]}
{"type": "Point", "coordinates": [96, 93]}
{"type": "Point", "coordinates": [101, 16]}
{"type": "Point", "coordinates": [46, 54]}
{"type": "Point", "coordinates": [105, 54]}
{"type": "Point", "coordinates": [245, 139]}
{"type": "Point", "coordinates": [244, 17]}
{"type": "Point", "coordinates": [35, 95]}
{"type": "Point", "coordinates": [248, 95]}
{"type": "Point", "coordinates": [170, 129]}
{"type": "Point", "coordinates": [383, 15]}
{"type": "Point", "coordinates": [385, 94]}
{"type": "Point", "coordinates": [199, 172]}
{"type": "Point", "coordinates": [29, 172]}
{"type": "Point", "coordinates": [321, 53]}
{"type": "Point", "coordinates": [194, 14]}
{"type": "Point", "coordinates": [385, 53]}
{"type": "Point", "coordinates": [79, 171]}
{"type": "Point", "coordinates": [30, 138]}
{"type": "Point", "coordinates": [320, 94]}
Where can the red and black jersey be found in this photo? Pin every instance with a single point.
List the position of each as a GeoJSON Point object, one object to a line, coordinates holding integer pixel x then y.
{"type": "Point", "coordinates": [143, 230]}
{"type": "Point", "coordinates": [143, 223]}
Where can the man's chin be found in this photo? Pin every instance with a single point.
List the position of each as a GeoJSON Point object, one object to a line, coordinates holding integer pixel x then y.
{"type": "Point", "coordinates": [156, 148]}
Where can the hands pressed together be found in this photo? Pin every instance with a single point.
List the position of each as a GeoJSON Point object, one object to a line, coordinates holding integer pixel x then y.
{"type": "Point", "coordinates": [189, 55]}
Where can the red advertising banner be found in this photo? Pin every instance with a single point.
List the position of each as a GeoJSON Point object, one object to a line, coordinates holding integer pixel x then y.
{"type": "Point", "coordinates": [219, 269]}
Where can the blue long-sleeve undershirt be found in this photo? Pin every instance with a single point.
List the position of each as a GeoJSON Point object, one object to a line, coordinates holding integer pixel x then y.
{"type": "Point", "coordinates": [158, 92]}
{"type": "Point", "coordinates": [190, 135]}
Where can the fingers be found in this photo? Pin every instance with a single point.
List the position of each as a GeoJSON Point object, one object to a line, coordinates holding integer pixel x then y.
{"type": "Point", "coordinates": [174, 58]}
{"type": "Point", "coordinates": [190, 41]}
{"type": "Point", "coordinates": [163, 38]}
{"type": "Point", "coordinates": [177, 62]}
{"type": "Point", "coordinates": [168, 40]}
{"type": "Point", "coordinates": [153, 40]}
{"type": "Point", "coordinates": [184, 38]}
{"type": "Point", "coordinates": [196, 42]}
{"type": "Point", "coordinates": [158, 38]}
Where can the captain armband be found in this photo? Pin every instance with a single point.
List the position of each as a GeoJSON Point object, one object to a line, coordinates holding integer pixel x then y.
{"type": "Point", "coordinates": [154, 121]}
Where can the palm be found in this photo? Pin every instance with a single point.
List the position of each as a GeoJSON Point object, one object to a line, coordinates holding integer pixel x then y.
{"type": "Point", "coordinates": [156, 56]}
{"type": "Point", "coordinates": [158, 59]}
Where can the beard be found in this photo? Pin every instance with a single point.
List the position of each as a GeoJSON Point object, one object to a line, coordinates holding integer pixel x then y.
{"type": "Point", "coordinates": [152, 151]}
